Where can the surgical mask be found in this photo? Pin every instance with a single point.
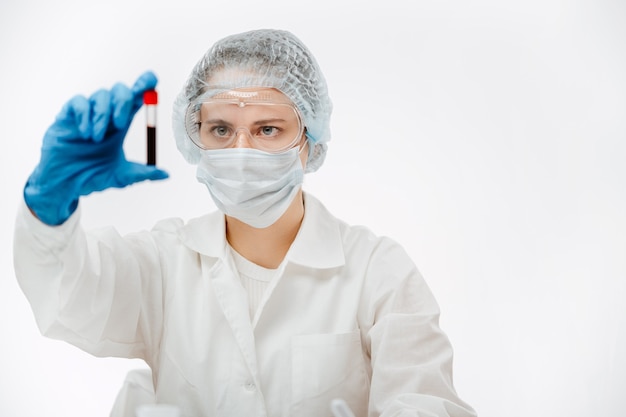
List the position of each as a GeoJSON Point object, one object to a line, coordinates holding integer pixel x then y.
{"type": "Point", "coordinates": [250, 185]}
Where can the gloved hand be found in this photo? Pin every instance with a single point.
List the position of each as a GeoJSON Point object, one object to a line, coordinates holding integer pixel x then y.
{"type": "Point", "coordinates": [82, 151]}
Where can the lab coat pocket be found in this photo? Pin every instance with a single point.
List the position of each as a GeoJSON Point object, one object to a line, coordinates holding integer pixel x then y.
{"type": "Point", "coordinates": [325, 367]}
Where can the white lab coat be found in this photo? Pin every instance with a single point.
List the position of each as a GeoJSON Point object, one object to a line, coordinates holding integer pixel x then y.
{"type": "Point", "coordinates": [349, 317]}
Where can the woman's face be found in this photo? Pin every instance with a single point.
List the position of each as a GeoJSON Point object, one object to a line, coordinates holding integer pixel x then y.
{"type": "Point", "coordinates": [252, 117]}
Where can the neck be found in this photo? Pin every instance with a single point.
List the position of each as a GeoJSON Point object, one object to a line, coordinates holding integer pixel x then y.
{"type": "Point", "coordinates": [267, 247]}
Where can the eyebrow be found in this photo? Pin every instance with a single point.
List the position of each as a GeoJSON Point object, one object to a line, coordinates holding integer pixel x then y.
{"type": "Point", "coordinates": [216, 121]}
{"type": "Point", "coordinates": [257, 123]}
{"type": "Point", "coordinates": [267, 121]}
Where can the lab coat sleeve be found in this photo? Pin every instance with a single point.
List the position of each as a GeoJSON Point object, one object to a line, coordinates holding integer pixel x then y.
{"type": "Point", "coordinates": [99, 292]}
{"type": "Point", "coordinates": [411, 357]}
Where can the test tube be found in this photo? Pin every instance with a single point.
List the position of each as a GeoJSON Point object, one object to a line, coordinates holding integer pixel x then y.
{"type": "Point", "coordinates": [150, 100]}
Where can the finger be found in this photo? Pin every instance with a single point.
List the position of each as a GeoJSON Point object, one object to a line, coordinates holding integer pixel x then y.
{"type": "Point", "coordinates": [73, 119]}
{"type": "Point", "coordinates": [122, 103]}
{"type": "Point", "coordinates": [146, 81]}
{"type": "Point", "coordinates": [100, 102]}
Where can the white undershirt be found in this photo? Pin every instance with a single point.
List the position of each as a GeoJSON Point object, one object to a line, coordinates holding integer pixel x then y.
{"type": "Point", "coordinates": [254, 278]}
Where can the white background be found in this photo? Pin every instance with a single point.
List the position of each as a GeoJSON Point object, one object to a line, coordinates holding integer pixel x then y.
{"type": "Point", "coordinates": [488, 137]}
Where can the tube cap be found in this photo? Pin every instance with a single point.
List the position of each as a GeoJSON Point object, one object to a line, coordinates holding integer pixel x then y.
{"type": "Point", "coordinates": [150, 97]}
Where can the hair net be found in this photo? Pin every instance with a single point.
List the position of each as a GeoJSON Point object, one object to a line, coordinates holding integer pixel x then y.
{"type": "Point", "coordinates": [260, 58]}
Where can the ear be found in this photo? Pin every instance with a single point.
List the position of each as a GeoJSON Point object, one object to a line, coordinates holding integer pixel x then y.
{"type": "Point", "coordinates": [316, 156]}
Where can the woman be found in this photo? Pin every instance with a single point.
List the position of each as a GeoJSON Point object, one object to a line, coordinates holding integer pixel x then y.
{"type": "Point", "coordinates": [270, 306]}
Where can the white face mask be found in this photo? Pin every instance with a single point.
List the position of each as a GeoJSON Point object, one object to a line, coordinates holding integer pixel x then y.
{"type": "Point", "coordinates": [253, 186]}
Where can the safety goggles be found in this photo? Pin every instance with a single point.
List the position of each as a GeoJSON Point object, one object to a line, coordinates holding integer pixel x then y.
{"type": "Point", "coordinates": [265, 118]}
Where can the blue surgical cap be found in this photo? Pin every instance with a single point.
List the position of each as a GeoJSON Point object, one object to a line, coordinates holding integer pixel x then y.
{"type": "Point", "coordinates": [261, 58]}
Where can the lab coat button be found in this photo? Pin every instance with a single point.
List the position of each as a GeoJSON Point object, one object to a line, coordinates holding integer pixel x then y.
{"type": "Point", "coordinates": [250, 386]}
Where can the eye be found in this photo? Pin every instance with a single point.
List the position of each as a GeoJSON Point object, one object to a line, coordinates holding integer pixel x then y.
{"type": "Point", "coordinates": [220, 131]}
{"type": "Point", "coordinates": [270, 131]}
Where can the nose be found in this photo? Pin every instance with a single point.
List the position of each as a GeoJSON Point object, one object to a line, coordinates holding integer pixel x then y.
{"type": "Point", "coordinates": [242, 139]}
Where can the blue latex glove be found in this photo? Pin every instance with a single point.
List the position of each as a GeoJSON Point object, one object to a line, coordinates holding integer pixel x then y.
{"type": "Point", "coordinates": [82, 151]}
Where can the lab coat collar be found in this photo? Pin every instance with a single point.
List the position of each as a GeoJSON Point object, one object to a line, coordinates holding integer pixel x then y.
{"type": "Point", "coordinates": [318, 244]}
{"type": "Point", "coordinates": [206, 235]}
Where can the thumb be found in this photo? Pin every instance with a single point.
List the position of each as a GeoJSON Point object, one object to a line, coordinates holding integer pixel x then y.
{"type": "Point", "coordinates": [133, 172]}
